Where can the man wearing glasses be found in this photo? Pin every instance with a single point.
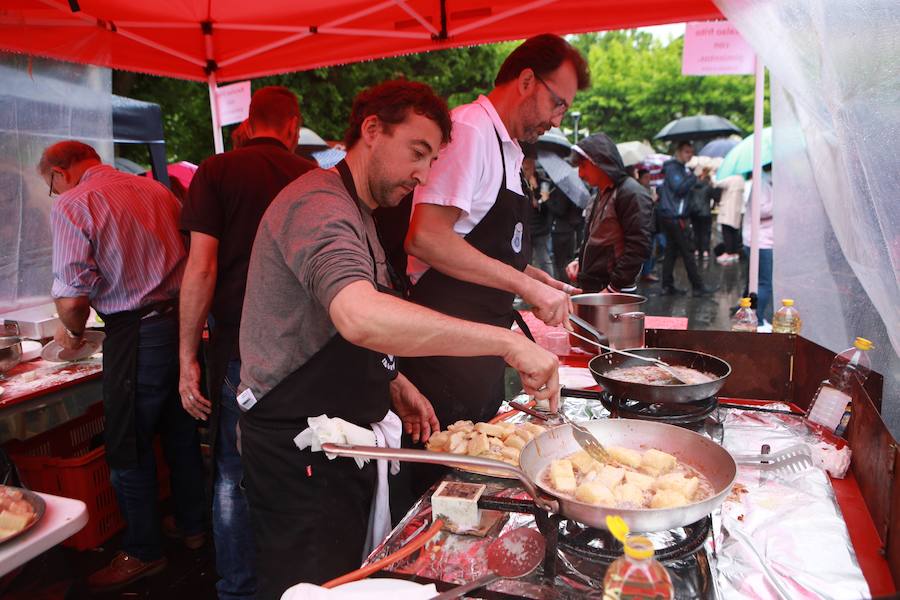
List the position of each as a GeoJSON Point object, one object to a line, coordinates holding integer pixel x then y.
{"type": "Point", "coordinates": [468, 239]}
{"type": "Point", "coordinates": [117, 248]}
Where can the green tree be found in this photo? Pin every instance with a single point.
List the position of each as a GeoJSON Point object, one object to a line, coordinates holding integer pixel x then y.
{"type": "Point", "coordinates": [636, 88]}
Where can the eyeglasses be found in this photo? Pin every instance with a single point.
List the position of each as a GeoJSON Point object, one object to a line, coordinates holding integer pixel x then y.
{"type": "Point", "coordinates": [52, 173]}
{"type": "Point", "coordinates": [560, 106]}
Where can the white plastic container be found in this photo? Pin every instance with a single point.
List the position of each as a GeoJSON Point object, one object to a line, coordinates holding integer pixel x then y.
{"type": "Point", "coordinates": [745, 318]}
{"type": "Point", "coordinates": [831, 406]}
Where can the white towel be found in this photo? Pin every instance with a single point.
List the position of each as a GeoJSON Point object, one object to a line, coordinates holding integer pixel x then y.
{"type": "Point", "coordinates": [403, 590]}
{"type": "Point", "coordinates": [323, 429]}
{"type": "Point", "coordinates": [387, 435]}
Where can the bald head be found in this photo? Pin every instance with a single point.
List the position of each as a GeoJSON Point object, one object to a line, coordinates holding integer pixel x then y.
{"type": "Point", "coordinates": [63, 164]}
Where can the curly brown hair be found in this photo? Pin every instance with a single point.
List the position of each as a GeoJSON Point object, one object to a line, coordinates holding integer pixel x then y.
{"type": "Point", "coordinates": [391, 102]}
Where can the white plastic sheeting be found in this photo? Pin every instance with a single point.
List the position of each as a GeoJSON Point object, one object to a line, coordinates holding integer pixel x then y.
{"type": "Point", "coordinates": [41, 103]}
{"type": "Point", "coordinates": [835, 67]}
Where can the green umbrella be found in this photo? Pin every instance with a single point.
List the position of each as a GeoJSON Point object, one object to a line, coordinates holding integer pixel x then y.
{"type": "Point", "coordinates": [739, 159]}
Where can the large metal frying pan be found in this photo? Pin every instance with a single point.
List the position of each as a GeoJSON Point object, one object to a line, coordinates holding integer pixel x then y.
{"type": "Point", "coordinates": [604, 363]}
{"type": "Point", "coordinates": [710, 459]}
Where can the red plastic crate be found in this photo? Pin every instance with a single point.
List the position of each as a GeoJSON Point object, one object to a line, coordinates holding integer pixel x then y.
{"type": "Point", "coordinates": [60, 462]}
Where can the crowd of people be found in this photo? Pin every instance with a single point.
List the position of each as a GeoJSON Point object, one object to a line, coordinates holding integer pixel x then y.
{"type": "Point", "coordinates": [309, 289]}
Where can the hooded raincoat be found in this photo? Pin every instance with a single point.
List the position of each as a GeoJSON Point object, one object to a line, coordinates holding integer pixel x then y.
{"type": "Point", "coordinates": [617, 240]}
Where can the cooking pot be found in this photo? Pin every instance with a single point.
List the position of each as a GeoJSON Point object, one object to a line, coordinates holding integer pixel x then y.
{"type": "Point", "coordinates": [10, 352]}
{"type": "Point", "coordinates": [618, 316]}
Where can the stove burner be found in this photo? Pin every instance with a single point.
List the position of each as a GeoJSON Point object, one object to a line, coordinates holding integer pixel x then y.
{"type": "Point", "coordinates": [686, 413]}
{"type": "Point", "coordinates": [599, 546]}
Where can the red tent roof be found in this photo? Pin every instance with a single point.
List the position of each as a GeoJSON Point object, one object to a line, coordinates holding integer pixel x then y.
{"type": "Point", "coordinates": [243, 39]}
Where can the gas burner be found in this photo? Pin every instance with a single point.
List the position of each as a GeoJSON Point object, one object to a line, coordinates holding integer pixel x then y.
{"type": "Point", "coordinates": [599, 546]}
{"type": "Point", "coordinates": [685, 414]}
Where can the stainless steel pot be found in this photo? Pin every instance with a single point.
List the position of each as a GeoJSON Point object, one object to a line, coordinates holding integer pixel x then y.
{"type": "Point", "coordinates": [618, 316]}
{"type": "Point", "coordinates": [706, 456]}
{"type": "Point", "coordinates": [10, 353]}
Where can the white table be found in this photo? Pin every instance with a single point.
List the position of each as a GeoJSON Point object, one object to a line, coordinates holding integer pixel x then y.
{"type": "Point", "coordinates": [64, 517]}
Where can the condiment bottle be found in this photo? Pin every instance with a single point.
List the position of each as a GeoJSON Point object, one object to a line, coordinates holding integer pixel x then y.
{"type": "Point", "coordinates": [745, 318]}
{"type": "Point", "coordinates": [635, 575]}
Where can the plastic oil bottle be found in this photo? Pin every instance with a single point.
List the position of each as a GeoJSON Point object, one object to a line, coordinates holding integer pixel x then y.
{"type": "Point", "coordinates": [787, 318]}
{"type": "Point", "coordinates": [745, 318]}
{"type": "Point", "coordinates": [831, 406]}
{"type": "Point", "coordinates": [635, 575]}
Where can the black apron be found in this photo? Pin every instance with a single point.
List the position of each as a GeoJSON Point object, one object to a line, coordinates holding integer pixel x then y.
{"type": "Point", "coordinates": [221, 348]}
{"type": "Point", "coordinates": [473, 387]}
{"type": "Point", "coordinates": [120, 351]}
{"type": "Point", "coordinates": [310, 514]}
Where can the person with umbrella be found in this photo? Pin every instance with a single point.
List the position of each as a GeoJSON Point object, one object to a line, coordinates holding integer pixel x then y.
{"type": "Point", "coordinates": [673, 212]}
{"type": "Point", "coordinates": [618, 234]}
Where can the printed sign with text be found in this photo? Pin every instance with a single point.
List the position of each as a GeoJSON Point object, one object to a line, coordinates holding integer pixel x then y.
{"type": "Point", "coordinates": [234, 102]}
{"type": "Point", "coordinates": [715, 48]}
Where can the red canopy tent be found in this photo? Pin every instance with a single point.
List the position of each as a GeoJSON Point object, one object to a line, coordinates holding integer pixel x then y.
{"type": "Point", "coordinates": [229, 40]}
{"type": "Point", "coordinates": [235, 40]}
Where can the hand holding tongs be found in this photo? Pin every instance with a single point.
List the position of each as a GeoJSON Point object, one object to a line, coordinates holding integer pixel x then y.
{"type": "Point", "coordinates": [588, 442]}
{"type": "Point", "coordinates": [593, 331]}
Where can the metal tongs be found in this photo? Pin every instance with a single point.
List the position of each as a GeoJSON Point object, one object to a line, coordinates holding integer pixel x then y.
{"type": "Point", "coordinates": [588, 442]}
{"type": "Point", "coordinates": [594, 332]}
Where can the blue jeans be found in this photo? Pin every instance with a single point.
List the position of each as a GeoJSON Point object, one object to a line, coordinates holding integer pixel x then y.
{"type": "Point", "coordinates": [764, 294]}
{"type": "Point", "coordinates": [657, 240]}
{"type": "Point", "coordinates": [157, 408]}
{"type": "Point", "coordinates": [235, 550]}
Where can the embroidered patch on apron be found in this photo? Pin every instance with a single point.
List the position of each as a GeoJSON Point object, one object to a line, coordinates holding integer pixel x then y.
{"type": "Point", "coordinates": [388, 362]}
{"type": "Point", "coordinates": [517, 237]}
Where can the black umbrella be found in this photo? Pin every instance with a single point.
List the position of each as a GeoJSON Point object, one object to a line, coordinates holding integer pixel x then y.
{"type": "Point", "coordinates": [555, 141]}
{"type": "Point", "coordinates": [697, 127]}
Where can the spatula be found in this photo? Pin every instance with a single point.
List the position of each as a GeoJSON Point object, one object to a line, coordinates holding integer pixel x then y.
{"type": "Point", "coordinates": [594, 332]}
{"type": "Point", "coordinates": [793, 459]}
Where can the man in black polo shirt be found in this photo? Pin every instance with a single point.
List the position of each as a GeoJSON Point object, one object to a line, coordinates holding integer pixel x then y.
{"type": "Point", "coordinates": [227, 198]}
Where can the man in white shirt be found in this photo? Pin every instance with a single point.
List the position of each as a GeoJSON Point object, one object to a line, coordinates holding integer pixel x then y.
{"type": "Point", "coordinates": [468, 236]}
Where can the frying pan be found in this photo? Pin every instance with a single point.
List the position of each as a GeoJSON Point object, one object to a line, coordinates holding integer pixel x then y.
{"type": "Point", "coordinates": [604, 363]}
{"type": "Point", "coordinates": [704, 455]}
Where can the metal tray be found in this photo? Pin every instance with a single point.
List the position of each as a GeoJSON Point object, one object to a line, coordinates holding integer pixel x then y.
{"type": "Point", "coordinates": [37, 503]}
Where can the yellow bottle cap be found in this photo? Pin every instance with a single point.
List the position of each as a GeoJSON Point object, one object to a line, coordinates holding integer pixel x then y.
{"type": "Point", "coordinates": [863, 344]}
{"type": "Point", "coordinates": [787, 302]}
{"type": "Point", "coordinates": [636, 546]}
{"type": "Point", "coordinates": [745, 303]}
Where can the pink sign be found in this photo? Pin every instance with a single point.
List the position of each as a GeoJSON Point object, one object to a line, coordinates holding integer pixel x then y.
{"type": "Point", "coordinates": [234, 102]}
{"type": "Point", "coordinates": [715, 48]}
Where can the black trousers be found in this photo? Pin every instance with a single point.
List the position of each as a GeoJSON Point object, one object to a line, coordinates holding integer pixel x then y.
{"type": "Point", "coordinates": [563, 252]}
{"type": "Point", "coordinates": [702, 227]}
{"type": "Point", "coordinates": [677, 244]}
{"type": "Point", "coordinates": [732, 239]}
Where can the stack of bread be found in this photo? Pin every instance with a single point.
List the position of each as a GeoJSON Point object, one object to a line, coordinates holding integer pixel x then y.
{"type": "Point", "coordinates": [500, 441]}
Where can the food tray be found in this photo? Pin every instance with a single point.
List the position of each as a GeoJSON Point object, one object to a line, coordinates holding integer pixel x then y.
{"type": "Point", "coordinates": [39, 506]}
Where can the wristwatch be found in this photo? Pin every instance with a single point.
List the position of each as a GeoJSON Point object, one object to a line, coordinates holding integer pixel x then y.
{"type": "Point", "coordinates": [73, 335]}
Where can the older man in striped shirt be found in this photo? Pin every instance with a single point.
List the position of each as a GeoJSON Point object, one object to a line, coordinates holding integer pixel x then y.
{"type": "Point", "coordinates": [116, 247]}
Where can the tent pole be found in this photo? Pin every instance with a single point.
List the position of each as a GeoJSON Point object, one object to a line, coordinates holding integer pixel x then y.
{"type": "Point", "coordinates": [214, 109]}
{"type": "Point", "coordinates": [757, 174]}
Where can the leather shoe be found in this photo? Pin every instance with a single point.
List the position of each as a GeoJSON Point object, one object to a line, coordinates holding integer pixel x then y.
{"type": "Point", "coordinates": [671, 290]}
{"type": "Point", "coordinates": [171, 530]}
{"type": "Point", "coordinates": [650, 277]}
{"type": "Point", "coordinates": [123, 570]}
{"type": "Point", "coordinates": [704, 290]}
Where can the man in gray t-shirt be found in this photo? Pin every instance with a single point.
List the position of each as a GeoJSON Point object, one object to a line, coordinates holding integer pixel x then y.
{"type": "Point", "coordinates": [319, 329]}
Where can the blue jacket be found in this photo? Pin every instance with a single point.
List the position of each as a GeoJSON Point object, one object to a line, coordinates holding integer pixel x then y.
{"type": "Point", "coordinates": [674, 190]}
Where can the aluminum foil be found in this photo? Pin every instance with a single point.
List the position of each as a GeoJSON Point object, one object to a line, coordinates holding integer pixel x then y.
{"type": "Point", "coordinates": [781, 536]}
{"type": "Point", "coordinates": [775, 537]}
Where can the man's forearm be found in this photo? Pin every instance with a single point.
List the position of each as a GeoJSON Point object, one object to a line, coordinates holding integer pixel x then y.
{"type": "Point", "coordinates": [197, 289]}
{"type": "Point", "coordinates": [73, 312]}
{"type": "Point", "coordinates": [386, 324]}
